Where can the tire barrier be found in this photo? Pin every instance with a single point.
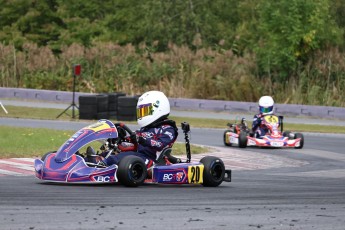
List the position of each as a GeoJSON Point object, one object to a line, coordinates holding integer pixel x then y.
{"type": "Point", "coordinates": [115, 106]}
{"type": "Point", "coordinates": [127, 108]}
{"type": "Point", "coordinates": [88, 107]}
{"type": "Point", "coordinates": [102, 106]}
{"type": "Point", "coordinates": [112, 104]}
{"type": "Point", "coordinates": [93, 107]}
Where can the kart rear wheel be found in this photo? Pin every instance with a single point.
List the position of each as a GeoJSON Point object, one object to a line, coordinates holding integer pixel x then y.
{"type": "Point", "coordinates": [301, 143]}
{"type": "Point", "coordinates": [214, 171]}
{"type": "Point", "coordinates": [225, 137]}
{"type": "Point", "coordinates": [242, 139]}
{"type": "Point", "coordinates": [132, 171]}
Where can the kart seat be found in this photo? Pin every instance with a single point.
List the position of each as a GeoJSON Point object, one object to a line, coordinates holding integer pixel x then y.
{"type": "Point", "coordinates": [166, 156]}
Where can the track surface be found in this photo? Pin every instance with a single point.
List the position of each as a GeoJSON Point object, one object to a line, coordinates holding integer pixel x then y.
{"type": "Point", "coordinates": [271, 189]}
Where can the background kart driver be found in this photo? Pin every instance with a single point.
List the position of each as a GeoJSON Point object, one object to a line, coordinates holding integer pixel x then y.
{"type": "Point", "coordinates": [266, 107]}
{"type": "Point", "coordinates": [156, 131]}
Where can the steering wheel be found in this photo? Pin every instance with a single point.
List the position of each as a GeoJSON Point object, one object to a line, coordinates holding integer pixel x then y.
{"type": "Point", "coordinates": [122, 130]}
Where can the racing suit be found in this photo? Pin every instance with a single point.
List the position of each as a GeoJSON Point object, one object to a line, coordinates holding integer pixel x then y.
{"type": "Point", "coordinates": [258, 129]}
{"type": "Point", "coordinates": [152, 140]}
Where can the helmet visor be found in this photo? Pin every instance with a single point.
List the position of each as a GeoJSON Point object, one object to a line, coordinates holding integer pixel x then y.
{"type": "Point", "coordinates": [266, 109]}
{"type": "Point", "coordinates": [144, 110]}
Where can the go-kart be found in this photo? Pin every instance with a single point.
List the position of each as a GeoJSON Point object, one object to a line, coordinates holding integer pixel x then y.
{"type": "Point", "coordinates": [68, 164]}
{"type": "Point", "coordinates": [239, 134]}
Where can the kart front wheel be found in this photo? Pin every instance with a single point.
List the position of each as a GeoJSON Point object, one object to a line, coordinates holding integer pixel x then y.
{"type": "Point", "coordinates": [242, 139]}
{"type": "Point", "coordinates": [214, 171]}
{"type": "Point", "coordinates": [301, 143]}
{"type": "Point", "coordinates": [132, 171]}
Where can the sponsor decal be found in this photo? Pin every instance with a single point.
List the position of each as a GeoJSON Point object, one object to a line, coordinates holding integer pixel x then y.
{"type": "Point", "coordinates": [179, 176]}
{"type": "Point", "coordinates": [147, 135]}
{"type": "Point", "coordinates": [156, 104]}
{"type": "Point", "coordinates": [233, 140]}
{"type": "Point", "coordinates": [75, 136]}
{"type": "Point", "coordinates": [98, 126]}
{"type": "Point", "coordinates": [156, 143]}
{"type": "Point", "coordinates": [277, 144]}
{"type": "Point", "coordinates": [169, 177]}
{"type": "Point", "coordinates": [102, 178]}
{"type": "Point", "coordinates": [251, 142]}
{"type": "Point", "coordinates": [169, 134]}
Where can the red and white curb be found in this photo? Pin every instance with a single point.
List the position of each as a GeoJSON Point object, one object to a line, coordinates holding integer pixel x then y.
{"type": "Point", "coordinates": [17, 167]}
{"type": "Point", "coordinates": [233, 158]}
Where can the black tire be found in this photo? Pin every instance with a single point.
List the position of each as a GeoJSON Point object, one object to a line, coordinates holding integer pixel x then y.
{"type": "Point", "coordinates": [112, 115]}
{"type": "Point", "coordinates": [242, 139]}
{"type": "Point", "coordinates": [112, 106]}
{"type": "Point", "coordinates": [46, 154]}
{"type": "Point", "coordinates": [126, 108]}
{"type": "Point", "coordinates": [127, 101]}
{"type": "Point", "coordinates": [88, 116]}
{"type": "Point", "coordinates": [102, 103]}
{"type": "Point", "coordinates": [132, 171]}
{"type": "Point", "coordinates": [102, 115]}
{"type": "Point", "coordinates": [88, 107]}
{"type": "Point", "coordinates": [214, 171]}
{"type": "Point", "coordinates": [127, 111]}
{"type": "Point", "coordinates": [126, 118]}
{"type": "Point", "coordinates": [113, 101]}
{"type": "Point", "coordinates": [114, 96]}
{"type": "Point", "coordinates": [300, 135]}
{"type": "Point", "coordinates": [88, 100]}
{"type": "Point", "coordinates": [224, 138]}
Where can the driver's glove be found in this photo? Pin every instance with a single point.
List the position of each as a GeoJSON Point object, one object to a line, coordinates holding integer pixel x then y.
{"type": "Point", "coordinates": [133, 137]}
{"type": "Point", "coordinates": [141, 140]}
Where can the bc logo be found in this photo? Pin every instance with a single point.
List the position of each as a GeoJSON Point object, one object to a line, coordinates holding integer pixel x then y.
{"type": "Point", "coordinates": [102, 178]}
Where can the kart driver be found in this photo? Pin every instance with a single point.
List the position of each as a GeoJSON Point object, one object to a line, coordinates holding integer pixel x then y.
{"type": "Point", "coordinates": [266, 107]}
{"type": "Point", "coordinates": [156, 131]}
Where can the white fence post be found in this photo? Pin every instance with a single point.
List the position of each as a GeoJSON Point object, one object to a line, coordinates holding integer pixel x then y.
{"type": "Point", "coordinates": [3, 108]}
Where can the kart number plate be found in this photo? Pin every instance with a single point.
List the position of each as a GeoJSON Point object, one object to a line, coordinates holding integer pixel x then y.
{"type": "Point", "coordinates": [277, 144]}
{"type": "Point", "coordinates": [271, 119]}
{"type": "Point", "coordinates": [195, 174]}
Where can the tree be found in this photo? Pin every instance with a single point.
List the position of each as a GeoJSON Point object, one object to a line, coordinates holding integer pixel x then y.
{"type": "Point", "coordinates": [24, 20]}
{"type": "Point", "coordinates": [290, 31]}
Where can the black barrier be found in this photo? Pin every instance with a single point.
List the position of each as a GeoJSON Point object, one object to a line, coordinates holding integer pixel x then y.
{"type": "Point", "coordinates": [127, 108]}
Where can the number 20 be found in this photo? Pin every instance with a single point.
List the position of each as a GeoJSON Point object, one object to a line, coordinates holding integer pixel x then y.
{"type": "Point", "coordinates": [195, 174]}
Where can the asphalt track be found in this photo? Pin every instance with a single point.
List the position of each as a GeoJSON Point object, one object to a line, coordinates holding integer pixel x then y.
{"type": "Point", "coordinates": [271, 189]}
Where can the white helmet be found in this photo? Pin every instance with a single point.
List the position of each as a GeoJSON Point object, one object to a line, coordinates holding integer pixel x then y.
{"type": "Point", "coordinates": [152, 106]}
{"type": "Point", "coordinates": [266, 104]}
